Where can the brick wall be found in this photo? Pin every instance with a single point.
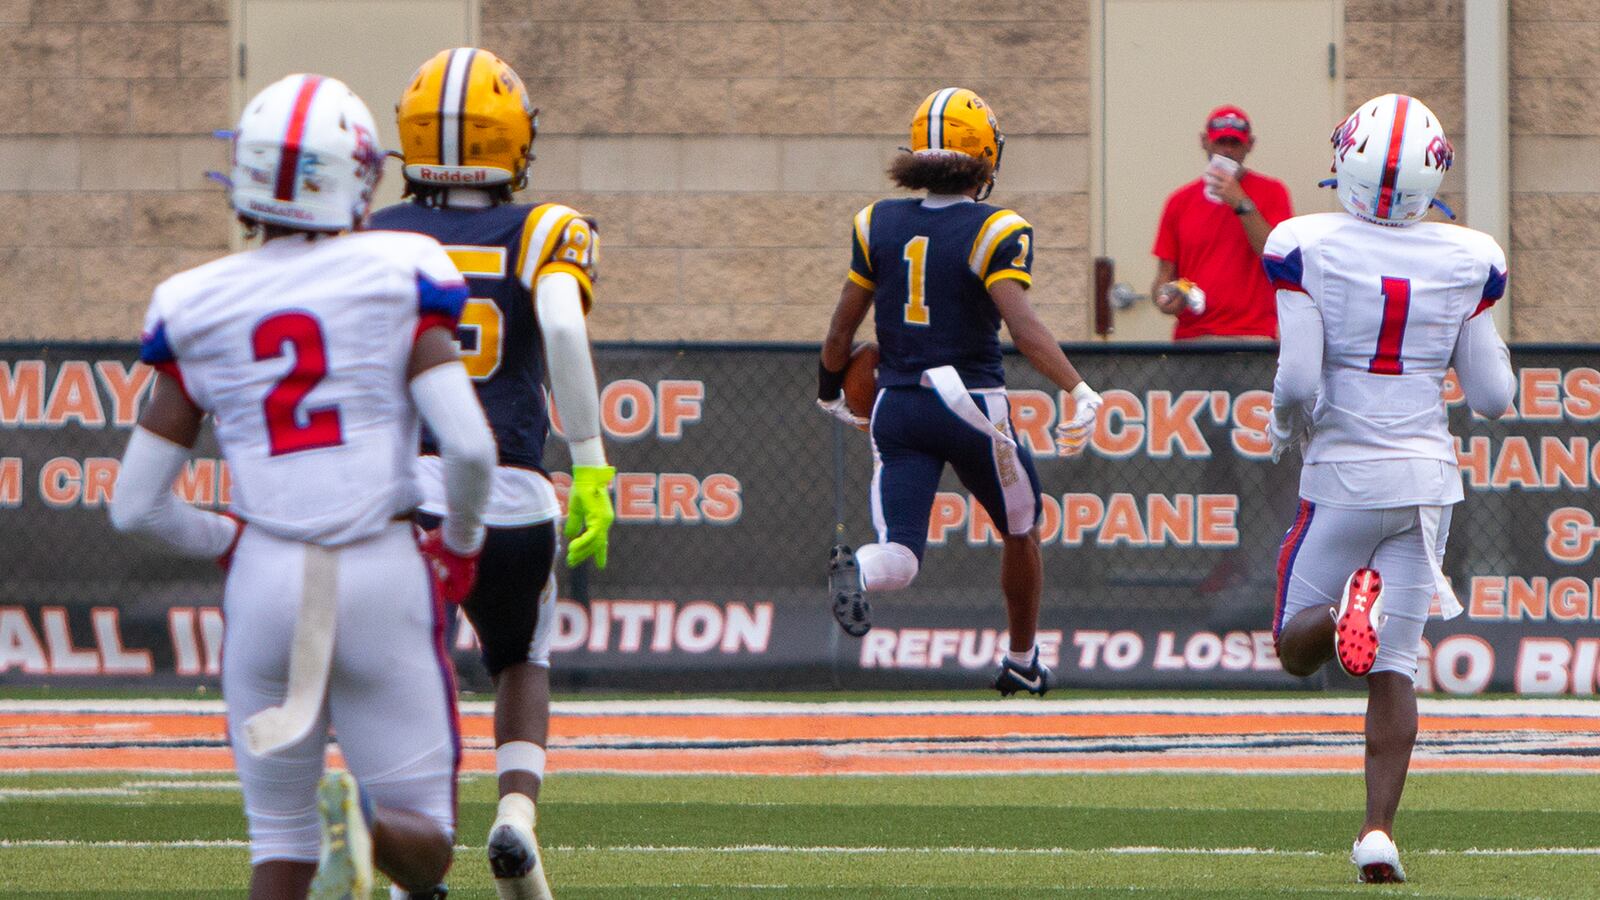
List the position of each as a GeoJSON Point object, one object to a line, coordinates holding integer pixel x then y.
{"type": "Point", "coordinates": [1555, 169]}
{"type": "Point", "coordinates": [724, 146]}
{"type": "Point", "coordinates": [101, 160]}
{"type": "Point", "coordinates": [1414, 46]}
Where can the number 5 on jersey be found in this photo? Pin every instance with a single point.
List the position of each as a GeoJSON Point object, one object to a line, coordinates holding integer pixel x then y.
{"type": "Point", "coordinates": [480, 337]}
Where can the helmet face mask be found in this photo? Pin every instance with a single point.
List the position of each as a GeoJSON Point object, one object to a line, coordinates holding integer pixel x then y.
{"type": "Point", "coordinates": [1389, 160]}
{"type": "Point", "coordinates": [305, 156]}
{"type": "Point", "coordinates": [466, 121]}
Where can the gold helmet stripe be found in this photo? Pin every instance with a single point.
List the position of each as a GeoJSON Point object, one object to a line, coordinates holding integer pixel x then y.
{"type": "Point", "coordinates": [936, 118]}
{"type": "Point", "coordinates": [452, 102]}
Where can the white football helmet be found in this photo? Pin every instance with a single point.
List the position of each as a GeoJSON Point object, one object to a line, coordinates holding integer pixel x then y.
{"type": "Point", "coordinates": [305, 155]}
{"type": "Point", "coordinates": [1389, 157]}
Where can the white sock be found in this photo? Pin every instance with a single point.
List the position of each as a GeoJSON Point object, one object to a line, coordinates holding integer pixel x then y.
{"type": "Point", "coordinates": [1022, 659]}
{"type": "Point", "coordinates": [517, 808]}
{"type": "Point", "coordinates": [520, 756]}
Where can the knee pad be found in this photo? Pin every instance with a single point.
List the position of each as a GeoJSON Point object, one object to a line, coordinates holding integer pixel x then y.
{"type": "Point", "coordinates": [886, 567]}
{"type": "Point", "coordinates": [1400, 638]}
{"type": "Point", "coordinates": [291, 837]}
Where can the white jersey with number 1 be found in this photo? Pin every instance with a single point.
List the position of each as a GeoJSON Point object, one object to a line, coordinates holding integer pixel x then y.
{"type": "Point", "coordinates": [1394, 306]}
{"type": "Point", "coordinates": [299, 351]}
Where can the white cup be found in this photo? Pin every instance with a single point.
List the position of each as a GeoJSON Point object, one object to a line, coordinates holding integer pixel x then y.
{"type": "Point", "coordinates": [1219, 165]}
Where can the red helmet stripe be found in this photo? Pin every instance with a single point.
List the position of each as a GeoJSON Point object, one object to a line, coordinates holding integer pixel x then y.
{"type": "Point", "coordinates": [289, 159]}
{"type": "Point", "coordinates": [1391, 166]}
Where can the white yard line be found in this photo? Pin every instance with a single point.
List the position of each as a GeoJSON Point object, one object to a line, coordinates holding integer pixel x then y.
{"type": "Point", "coordinates": [13, 793]}
{"type": "Point", "coordinates": [1204, 706]}
{"type": "Point", "coordinates": [785, 849]}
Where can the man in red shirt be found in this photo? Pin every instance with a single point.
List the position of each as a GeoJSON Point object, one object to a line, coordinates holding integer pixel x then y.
{"type": "Point", "coordinates": [1216, 244]}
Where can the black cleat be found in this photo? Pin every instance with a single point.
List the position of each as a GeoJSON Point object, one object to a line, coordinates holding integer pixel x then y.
{"type": "Point", "coordinates": [1012, 678]}
{"type": "Point", "coordinates": [850, 606]}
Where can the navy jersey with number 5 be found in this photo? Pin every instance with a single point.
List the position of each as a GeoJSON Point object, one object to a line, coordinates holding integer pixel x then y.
{"type": "Point", "coordinates": [502, 250]}
{"type": "Point", "coordinates": [930, 269]}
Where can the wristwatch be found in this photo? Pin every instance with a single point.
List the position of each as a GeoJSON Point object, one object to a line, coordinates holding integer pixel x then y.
{"type": "Point", "coordinates": [1245, 206]}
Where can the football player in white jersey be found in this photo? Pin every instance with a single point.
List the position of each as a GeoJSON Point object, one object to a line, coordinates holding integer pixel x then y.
{"type": "Point", "coordinates": [314, 354]}
{"type": "Point", "coordinates": [1374, 306]}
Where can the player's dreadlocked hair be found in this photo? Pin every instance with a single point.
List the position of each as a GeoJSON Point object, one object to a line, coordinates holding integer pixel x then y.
{"type": "Point", "coordinates": [940, 173]}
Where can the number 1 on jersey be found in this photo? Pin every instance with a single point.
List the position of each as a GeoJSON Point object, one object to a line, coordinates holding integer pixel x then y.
{"type": "Point", "coordinates": [916, 257]}
{"type": "Point", "coordinates": [1392, 333]}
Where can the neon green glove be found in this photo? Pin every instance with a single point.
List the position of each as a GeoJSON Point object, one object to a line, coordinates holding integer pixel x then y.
{"type": "Point", "coordinates": [589, 514]}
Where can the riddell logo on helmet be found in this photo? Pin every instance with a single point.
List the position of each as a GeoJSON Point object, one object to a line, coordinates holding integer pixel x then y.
{"type": "Point", "coordinates": [449, 177]}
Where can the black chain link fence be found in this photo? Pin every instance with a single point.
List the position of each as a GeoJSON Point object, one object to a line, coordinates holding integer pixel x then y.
{"type": "Point", "coordinates": [745, 414]}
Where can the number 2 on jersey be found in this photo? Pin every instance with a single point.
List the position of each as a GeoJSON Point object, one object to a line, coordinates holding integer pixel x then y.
{"type": "Point", "coordinates": [916, 257]}
{"type": "Point", "coordinates": [1392, 333]}
{"type": "Point", "coordinates": [302, 332]}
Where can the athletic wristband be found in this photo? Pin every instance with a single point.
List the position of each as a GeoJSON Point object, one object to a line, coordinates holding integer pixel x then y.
{"type": "Point", "coordinates": [829, 384]}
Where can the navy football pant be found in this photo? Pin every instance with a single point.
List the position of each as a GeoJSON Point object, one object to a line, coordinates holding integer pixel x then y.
{"type": "Point", "coordinates": [914, 435]}
{"type": "Point", "coordinates": [512, 604]}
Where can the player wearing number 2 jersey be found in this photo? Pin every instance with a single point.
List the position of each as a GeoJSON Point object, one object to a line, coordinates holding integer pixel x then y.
{"type": "Point", "coordinates": [315, 354]}
{"type": "Point", "coordinates": [941, 273]}
{"type": "Point", "coordinates": [467, 131]}
{"type": "Point", "coordinates": [1374, 307]}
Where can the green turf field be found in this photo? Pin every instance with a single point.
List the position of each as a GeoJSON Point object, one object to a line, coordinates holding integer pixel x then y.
{"type": "Point", "coordinates": [1103, 835]}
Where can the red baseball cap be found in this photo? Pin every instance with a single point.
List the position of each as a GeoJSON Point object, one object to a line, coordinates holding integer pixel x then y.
{"type": "Point", "coordinates": [1228, 121]}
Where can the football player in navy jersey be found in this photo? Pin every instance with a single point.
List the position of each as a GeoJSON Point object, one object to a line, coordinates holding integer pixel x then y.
{"type": "Point", "coordinates": [940, 273]}
{"type": "Point", "coordinates": [467, 130]}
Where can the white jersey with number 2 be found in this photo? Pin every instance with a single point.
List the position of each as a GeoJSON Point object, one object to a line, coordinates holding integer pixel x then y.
{"type": "Point", "coordinates": [299, 350]}
{"type": "Point", "coordinates": [1372, 318]}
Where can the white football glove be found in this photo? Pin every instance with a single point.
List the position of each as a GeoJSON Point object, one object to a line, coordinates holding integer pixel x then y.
{"type": "Point", "coordinates": [1284, 439]}
{"type": "Point", "coordinates": [840, 410]}
{"type": "Point", "coordinates": [1073, 434]}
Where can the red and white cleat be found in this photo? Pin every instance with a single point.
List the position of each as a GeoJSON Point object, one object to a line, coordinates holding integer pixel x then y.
{"type": "Point", "coordinates": [1355, 635]}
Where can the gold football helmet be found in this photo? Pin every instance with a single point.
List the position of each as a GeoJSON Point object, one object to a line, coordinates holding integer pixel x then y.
{"type": "Point", "coordinates": [956, 119]}
{"type": "Point", "coordinates": [465, 121]}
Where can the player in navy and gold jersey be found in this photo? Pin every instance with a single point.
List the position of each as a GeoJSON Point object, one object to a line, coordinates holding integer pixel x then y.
{"type": "Point", "coordinates": [941, 273]}
{"type": "Point", "coordinates": [467, 130]}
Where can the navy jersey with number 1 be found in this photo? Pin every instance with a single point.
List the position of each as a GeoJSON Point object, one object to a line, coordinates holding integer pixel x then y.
{"type": "Point", "coordinates": [930, 269]}
{"type": "Point", "coordinates": [502, 250]}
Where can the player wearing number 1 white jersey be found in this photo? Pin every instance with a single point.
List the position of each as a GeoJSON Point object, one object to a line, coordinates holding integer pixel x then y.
{"type": "Point", "coordinates": [1374, 306]}
{"type": "Point", "coordinates": [315, 354]}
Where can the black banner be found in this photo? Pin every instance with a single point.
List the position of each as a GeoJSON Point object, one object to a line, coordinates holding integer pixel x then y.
{"type": "Point", "coordinates": [1160, 543]}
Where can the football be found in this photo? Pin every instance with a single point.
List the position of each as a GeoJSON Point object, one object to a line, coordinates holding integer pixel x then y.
{"type": "Point", "coordinates": [861, 379]}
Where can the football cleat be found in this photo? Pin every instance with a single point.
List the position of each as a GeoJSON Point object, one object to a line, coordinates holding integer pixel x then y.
{"type": "Point", "coordinates": [514, 860]}
{"type": "Point", "coordinates": [1377, 860]}
{"type": "Point", "coordinates": [1012, 678]}
{"type": "Point", "coordinates": [344, 869]}
{"type": "Point", "coordinates": [1355, 634]}
{"type": "Point", "coordinates": [850, 604]}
